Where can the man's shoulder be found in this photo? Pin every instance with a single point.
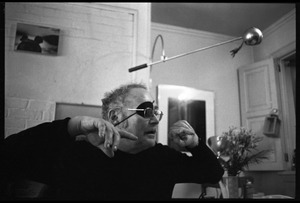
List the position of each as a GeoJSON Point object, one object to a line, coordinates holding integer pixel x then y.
{"type": "Point", "coordinates": [159, 147]}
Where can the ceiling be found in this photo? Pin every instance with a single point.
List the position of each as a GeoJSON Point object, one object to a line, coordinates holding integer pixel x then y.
{"type": "Point", "coordinates": [231, 19]}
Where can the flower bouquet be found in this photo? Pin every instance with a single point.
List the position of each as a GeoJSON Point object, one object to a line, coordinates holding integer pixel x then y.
{"type": "Point", "coordinates": [236, 148]}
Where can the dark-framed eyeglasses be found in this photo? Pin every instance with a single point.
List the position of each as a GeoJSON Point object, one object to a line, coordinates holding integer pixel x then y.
{"type": "Point", "coordinates": [146, 111]}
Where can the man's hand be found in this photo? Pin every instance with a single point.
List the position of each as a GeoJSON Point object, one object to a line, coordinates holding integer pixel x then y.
{"type": "Point", "coordinates": [183, 134]}
{"type": "Point", "coordinates": [98, 132]}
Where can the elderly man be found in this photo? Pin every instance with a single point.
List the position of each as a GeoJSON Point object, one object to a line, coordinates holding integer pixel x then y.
{"type": "Point", "coordinates": [118, 157]}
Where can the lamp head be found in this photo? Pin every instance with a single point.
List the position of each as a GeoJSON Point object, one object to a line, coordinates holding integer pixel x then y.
{"type": "Point", "coordinates": [253, 36]}
{"type": "Point", "coordinates": [215, 143]}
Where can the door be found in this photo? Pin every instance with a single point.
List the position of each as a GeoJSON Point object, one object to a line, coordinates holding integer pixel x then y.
{"type": "Point", "coordinates": [259, 95]}
{"type": "Point", "coordinates": [287, 84]}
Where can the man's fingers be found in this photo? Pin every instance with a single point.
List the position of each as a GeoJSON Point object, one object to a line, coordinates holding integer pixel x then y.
{"type": "Point", "coordinates": [182, 123]}
{"type": "Point", "coordinates": [116, 140]}
{"type": "Point", "coordinates": [127, 135]}
{"type": "Point", "coordinates": [181, 131]}
{"type": "Point", "coordinates": [179, 141]}
{"type": "Point", "coordinates": [187, 124]}
{"type": "Point", "coordinates": [108, 138]}
{"type": "Point", "coordinates": [187, 131]}
{"type": "Point", "coordinates": [109, 152]}
{"type": "Point", "coordinates": [101, 126]}
{"type": "Point", "coordinates": [93, 138]}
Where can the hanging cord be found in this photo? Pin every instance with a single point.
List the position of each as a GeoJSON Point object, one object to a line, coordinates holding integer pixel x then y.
{"type": "Point", "coordinates": [234, 51]}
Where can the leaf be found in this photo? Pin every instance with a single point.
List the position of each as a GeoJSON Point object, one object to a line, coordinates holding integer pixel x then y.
{"type": "Point", "coordinates": [256, 158]}
{"type": "Point", "coordinates": [238, 145]}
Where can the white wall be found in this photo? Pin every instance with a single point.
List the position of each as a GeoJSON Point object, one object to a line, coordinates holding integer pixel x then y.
{"type": "Point", "coordinates": [215, 70]}
{"type": "Point", "coordinates": [97, 45]}
{"type": "Point", "coordinates": [279, 39]}
{"type": "Point", "coordinates": [212, 69]}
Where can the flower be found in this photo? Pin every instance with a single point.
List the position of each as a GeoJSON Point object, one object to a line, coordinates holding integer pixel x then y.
{"type": "Point", "coordinates": [235, 149]}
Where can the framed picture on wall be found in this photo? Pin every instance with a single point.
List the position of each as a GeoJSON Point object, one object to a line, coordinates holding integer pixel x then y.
{"type": "Point", "coordinates": [185, 103]}
{"type": "Point", "coordinates": [36, 39]}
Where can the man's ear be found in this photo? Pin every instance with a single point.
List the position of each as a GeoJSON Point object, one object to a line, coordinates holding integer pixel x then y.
{"type": "Point", "coordinates": [113, 116]}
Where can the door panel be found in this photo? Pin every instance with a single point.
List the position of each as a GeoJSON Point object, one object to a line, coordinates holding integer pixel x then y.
{"type": "Point", "coordinates": [258, 96]}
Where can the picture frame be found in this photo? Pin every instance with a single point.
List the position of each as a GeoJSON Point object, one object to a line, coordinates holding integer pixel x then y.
{"type": "Point", "coordinates": [36, 39]}
{"type": "Point", "coordinates": [199, 110]}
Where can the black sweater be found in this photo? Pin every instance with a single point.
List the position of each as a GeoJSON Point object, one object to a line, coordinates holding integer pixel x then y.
{"type": "Point", "coordinates": [81, 171]}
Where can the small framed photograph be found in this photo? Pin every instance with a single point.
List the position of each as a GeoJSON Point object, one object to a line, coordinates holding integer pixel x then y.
{"type": "Point", "coordinates": [36, 39]}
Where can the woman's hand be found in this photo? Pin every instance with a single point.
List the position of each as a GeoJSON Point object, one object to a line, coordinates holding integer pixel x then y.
{"type": "Point", "coordinates": [183, 134]}
{"type": "Point", "coordinates": [98, 132]}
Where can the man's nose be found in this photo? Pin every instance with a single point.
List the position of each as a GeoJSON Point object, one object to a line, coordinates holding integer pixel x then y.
{"type": "Point", "coordinates": [154, 120]}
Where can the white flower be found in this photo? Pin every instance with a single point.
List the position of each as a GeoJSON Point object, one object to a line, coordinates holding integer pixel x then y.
{"type": "Point", "coordinates": [236, 132]}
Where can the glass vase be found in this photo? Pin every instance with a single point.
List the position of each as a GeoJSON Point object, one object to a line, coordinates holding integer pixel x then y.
{"type": "Point", "coordinates": [232, 186]}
